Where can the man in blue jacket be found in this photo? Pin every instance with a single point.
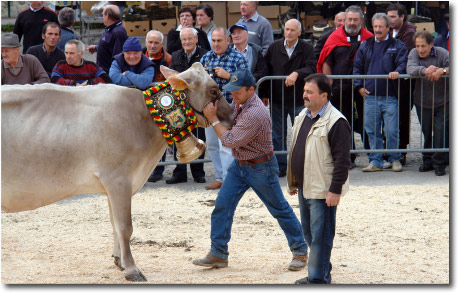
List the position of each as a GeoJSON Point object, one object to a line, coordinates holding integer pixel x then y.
{"type": "Point", "coordinates": [131, 67]}
{"type": "Point", "coordinates": [381, 55]}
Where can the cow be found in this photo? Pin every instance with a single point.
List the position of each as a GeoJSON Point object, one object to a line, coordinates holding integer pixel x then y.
{"type": "Point", "coordinates": [59, 141]}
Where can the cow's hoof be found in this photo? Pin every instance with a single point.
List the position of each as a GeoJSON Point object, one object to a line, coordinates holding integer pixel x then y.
{"type": "Point", "coordinates": [117, 262]}
{"type": "Point", "coordinates": [136, 277]}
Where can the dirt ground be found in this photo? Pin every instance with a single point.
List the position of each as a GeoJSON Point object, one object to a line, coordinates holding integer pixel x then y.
{"type": "Point", "coordinates": [385, 235]}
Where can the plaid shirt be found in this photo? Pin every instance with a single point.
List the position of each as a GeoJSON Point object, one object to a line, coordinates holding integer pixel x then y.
{"type": "Point", "coordinates": [231, 61]}
{"type": "Point", "coordinates": [251, 135]}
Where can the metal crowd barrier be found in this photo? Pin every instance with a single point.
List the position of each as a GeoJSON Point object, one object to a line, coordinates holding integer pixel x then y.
{"type": "Point", "coordinates": [416, 146]}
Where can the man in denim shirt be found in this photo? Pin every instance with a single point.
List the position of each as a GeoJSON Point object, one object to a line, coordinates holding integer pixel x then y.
{"type": "Point", "coordinates": [381, 54]}
{"type": "Point", "coordinates": [220, 63]}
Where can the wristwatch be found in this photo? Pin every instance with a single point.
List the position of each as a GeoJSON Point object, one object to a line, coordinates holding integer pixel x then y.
{"type": "Point", "coordinates": [444, 70]}
{"type": "Point", "coordinates": [215, 123]}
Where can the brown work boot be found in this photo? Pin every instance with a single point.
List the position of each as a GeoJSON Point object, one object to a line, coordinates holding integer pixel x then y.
{"type": "Point", "coordinates": [298, 262]}
{"type": "Point", "coordinates": [211, 261]}
{"type": "Point", "coordinates": [214, 185]}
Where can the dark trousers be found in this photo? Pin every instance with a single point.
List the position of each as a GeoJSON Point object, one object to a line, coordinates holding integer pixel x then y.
{"type": "Point", "coordinates": [197, 169]}
{"type": "Point", "coordinates": [434, 125]}
{"type": "Point", "coordinates": [341, 99]}
{"type": "Point", "coordinates": [406, 91]}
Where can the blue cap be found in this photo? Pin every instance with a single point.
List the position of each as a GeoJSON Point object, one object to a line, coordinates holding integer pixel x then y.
{"type": "Point", "coordinates": [240, 79]}
{"type": "Point", "coordinates": [238, 24]}
{"type": "Point", "coordinates": [131, 44]}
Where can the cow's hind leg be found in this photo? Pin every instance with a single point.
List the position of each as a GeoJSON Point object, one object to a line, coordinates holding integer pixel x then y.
{"type": "Point", "coordinates": [119, 196]}
{"type": "Point", "coordinates": [116, 250]}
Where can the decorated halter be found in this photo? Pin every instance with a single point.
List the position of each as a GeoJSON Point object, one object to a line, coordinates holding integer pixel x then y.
{"type": "Point", "coordinates": [171, 111]}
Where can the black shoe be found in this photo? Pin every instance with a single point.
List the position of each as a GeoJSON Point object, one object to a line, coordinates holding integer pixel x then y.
{"type": "Point", "coordinates": [425, 167]}
{"type": "Point", "coordinates": [440, 171]}
{"type": "Point", "coordinates": [199, 179]}
{"type": "Point", "coordinates": [175, 180]}
{"type": "Point", "coordinates": [155, 177]}
{"type": "Point", "coordinates": [403, 159]}
{"type": "Point", "coordinates": [281, 173]}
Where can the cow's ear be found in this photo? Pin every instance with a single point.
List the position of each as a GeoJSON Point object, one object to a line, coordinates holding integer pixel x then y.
{"type": "Point", "coordinates": [167, 72]}
{"type": "Point", "coordinates": [178, 83]}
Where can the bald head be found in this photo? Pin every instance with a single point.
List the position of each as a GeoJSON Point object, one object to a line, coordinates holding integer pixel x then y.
{"type": "Point", "coordinates": [293, 30]}
{"type": "Point", "coordinates": [296, 23]}
{"type": "Point", "coordinates": [339, 19]}
{"type": "Point", "coordinates": [111, 14]}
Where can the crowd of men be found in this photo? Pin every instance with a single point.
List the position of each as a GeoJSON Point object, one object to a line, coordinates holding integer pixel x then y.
{"type": "Point", "coordinates": [320, 110]}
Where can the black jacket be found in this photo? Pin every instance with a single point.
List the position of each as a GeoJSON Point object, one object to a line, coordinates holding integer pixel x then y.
{"type": "Point", "coordinates": [180, 61]}
{"type": "Point", "coordinates": [302, 61]}
{"type": "Point", "coordinates": [174, 42]}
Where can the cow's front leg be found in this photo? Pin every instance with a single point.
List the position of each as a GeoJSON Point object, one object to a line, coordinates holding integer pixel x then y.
{"type": "Point", "coordinates": [120, 196]}
{"type": "Point", "coordinates": [116, 250]}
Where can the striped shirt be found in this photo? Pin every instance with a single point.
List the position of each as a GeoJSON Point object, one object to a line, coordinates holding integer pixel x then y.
{"type": "Point", "coordinates": [251, 134]}
{"type": "Point", "coordinates": [231, 61]}
{"type": "Point", "coordinates": [65, 74]}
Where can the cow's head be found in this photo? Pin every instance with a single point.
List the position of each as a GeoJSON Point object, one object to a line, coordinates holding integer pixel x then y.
{"type": "Point", "coordinates": [200, 89]}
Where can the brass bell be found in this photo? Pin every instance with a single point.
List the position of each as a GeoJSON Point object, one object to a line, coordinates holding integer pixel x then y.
{"type": "Point", "coordinates": [189, 148]}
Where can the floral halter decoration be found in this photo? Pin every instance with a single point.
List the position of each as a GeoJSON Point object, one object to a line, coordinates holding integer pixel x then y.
{"type": "Point", "coordinates": [171, 111]}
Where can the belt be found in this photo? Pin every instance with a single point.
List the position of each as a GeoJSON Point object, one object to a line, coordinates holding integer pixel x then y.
{"type": "Point", "coordinates": [258, 160]}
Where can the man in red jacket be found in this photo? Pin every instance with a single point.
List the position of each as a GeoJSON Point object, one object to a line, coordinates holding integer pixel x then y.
{"type": "Point", "coordinates": [337, 58]}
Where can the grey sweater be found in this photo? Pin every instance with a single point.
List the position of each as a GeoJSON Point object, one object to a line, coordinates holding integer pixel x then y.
{"type": "Point", "coordinates": [30, 71]}
{"type": "Point", "coordinates": [429, 94]}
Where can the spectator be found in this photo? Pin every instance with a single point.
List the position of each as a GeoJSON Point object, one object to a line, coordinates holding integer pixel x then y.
{"type": "Point", "coordinates": [29, 23]}
{"type": "Point", "coordinates": [204, 14]}
{"type": "Point", "coordinates": [381, 54]}
{"type": "Point", "coordinates": [404, 31]}
{"type": "Point", "coordinates": [154, 50]}
{"type": "Point", "coordinates": [339, 20]}
{"type": "Point", "coordinates": [131, 67]}
{"type": "Point", "coordinates": [337, 58]}
{"type": "Point", "coordinates": [221, 62]}
{"type": "Point", "coordinates": [112, 40]}
{"type": "Point", "coordinates": [187, 19]}
{"type": "Point", "coordinates": [443, 39]}
{"type": "Point", "coordinates": [48, 53]}
{"type": "Point", "coordinates": [75, 71]}
{"type": "Point", "coordinates": [17, 68]}
{"type": "Point", "coordinates": [181, 61]}
{"type": "Point", "coordinates": [259, 28]}
{"type": "Point", "coordinates": [252, 52]}
{"type": "Point", "coordinates": [66, 21]}
{"type": "Point", "coordinates": [293, 57]}
{"type": "Point", "coordinates": [250, 139]}
{"type": "Point", "coordinates": [431, 98]}
{"type": "Point", "coordinates": [318, 167]}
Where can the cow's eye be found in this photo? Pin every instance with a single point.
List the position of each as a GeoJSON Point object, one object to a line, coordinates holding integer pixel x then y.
{"type": "Point", "coordinates": [214, 92]}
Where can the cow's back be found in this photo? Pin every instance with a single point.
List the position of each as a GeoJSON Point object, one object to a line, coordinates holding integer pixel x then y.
{"type": "Point", "coordinates": [60, 141]}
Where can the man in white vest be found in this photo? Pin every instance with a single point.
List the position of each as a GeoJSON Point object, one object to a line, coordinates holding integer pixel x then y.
{"type": "Point", "coordinates": [317, 170]}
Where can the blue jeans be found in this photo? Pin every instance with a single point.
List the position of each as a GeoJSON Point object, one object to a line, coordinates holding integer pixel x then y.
{"type": "Point", "coordinates": [221, 156]}
{"type": "Point", "coordinates": [279, 131]}
{"type": "Point", "coordinates": [376, 109]}
{"type": "Point", "coordinates": [319, 226]}
{"type": "Point", "coordinates": [263, 178]}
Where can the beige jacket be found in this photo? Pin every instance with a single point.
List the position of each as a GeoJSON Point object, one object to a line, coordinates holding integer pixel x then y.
{"type": "Point", "coordinates": [318, 165]}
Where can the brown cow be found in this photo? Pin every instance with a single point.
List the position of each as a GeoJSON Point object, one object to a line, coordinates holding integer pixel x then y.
{"type": "Point", "coordinates": [58, 142]}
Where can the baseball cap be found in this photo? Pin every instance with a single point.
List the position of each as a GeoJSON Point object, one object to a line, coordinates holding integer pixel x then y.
{"type": "Point", "coordinates": [240, 79]}
{"type": "Point", "coordinates": [238, 24]}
